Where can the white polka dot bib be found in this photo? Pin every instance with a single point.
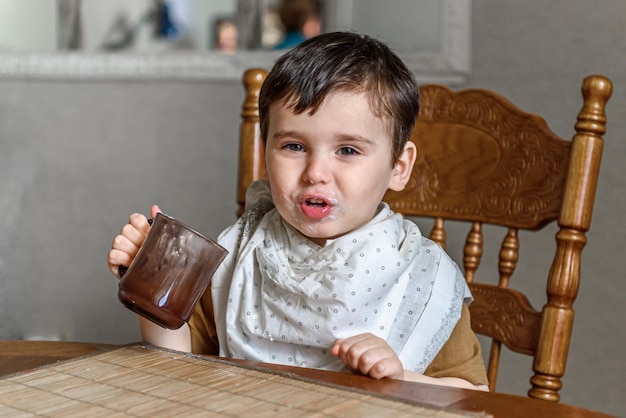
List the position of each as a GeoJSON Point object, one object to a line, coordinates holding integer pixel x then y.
{"type": "Point", "coordinates": [288, 299]}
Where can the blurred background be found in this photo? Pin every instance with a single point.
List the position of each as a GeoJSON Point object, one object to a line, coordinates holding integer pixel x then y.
{"type": "Point", "coordinates": [149, 25]}
{"type": "Point", "coordinates": [109, 107]}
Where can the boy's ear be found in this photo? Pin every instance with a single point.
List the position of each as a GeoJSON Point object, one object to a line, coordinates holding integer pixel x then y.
{"type": "Point", "coordinates": [403, 168]}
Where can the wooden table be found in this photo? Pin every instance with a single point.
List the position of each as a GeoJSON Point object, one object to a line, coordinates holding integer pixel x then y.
{"type": "Point", "coordinates": [22, 356]}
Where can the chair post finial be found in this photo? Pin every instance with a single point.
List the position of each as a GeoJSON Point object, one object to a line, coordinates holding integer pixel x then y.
{"type": "Point", "coordinates": [251, 150]}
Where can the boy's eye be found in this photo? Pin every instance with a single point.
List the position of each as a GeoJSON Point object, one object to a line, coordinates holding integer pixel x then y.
{"type": "Point", "coordinates": [348, 151]}
{"type": "Point", "coordinates": [294, 147]}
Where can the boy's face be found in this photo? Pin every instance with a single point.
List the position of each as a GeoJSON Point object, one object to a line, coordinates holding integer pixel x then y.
{"type": "Point", "coordinates": [329, 171]}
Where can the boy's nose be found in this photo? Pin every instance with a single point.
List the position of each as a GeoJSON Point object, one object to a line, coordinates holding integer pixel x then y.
{"type": "Point", "coordinates": [317, 170]}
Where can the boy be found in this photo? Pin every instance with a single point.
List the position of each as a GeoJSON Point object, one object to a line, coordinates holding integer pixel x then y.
{"type": "Point", "coordinates": [320, 272]}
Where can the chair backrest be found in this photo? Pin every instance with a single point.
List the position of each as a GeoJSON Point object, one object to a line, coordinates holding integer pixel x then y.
{"type": "Point", "coordinates": [483, 161]}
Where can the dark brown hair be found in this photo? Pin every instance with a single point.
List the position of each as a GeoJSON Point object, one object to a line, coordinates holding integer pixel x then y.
{"type": "Point", "coordinates": [344, 61]}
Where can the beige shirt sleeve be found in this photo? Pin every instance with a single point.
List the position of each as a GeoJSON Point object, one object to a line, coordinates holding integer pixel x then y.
{"type": "Point", "coordinates": [202, 327]}
{"type": "Point", "coordinates": [461, 355]}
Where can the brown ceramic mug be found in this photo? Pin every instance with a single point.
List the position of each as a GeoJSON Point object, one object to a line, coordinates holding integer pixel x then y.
{"type": "Point", "coordinates": [170, 273]}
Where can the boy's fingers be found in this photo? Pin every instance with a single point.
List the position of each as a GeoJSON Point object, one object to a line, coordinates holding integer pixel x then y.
{"type": "Point", "coordinates": [117, 258]}
{"type": "Point", "coordinates": [130, 238]}
{"type": "Point", "coordinates": [140, 222]}
{"type": "Point", "coordinates": [384, 368]}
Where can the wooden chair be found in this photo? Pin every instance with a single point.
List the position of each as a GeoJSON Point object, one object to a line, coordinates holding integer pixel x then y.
{"type": "Point", "coordinates": [483, 161]}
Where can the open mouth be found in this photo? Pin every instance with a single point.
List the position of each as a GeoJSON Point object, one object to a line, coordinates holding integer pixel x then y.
{"type": "Point", "coordinates": [316, 202]}
{"type": "Point", "coordinates": [316, 208]}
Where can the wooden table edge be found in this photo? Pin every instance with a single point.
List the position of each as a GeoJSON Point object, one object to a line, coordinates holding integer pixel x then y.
{"type": "Point", "coordinates": [22, 355]}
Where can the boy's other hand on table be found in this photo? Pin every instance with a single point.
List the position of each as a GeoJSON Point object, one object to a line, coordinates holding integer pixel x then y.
{"type": "Point", "coordinates": [369, 355]}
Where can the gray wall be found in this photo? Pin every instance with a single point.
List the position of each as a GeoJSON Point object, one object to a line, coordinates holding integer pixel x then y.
{"type": "Point", "coordinates": [76, 158]}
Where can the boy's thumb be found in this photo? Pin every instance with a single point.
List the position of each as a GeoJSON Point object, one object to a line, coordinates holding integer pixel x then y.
{"type": "Point", "coordinates": [154, 210]}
